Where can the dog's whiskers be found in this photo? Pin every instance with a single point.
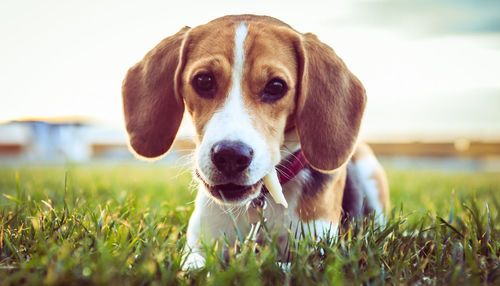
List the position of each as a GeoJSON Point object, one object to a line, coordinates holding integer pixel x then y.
{"type": "Point", "coordinates": [283, 173]}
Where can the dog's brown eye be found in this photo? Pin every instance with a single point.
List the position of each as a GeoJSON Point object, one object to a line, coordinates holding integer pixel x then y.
{"type": "Point", "coordinates": [274, 90]}
{"type": "Point", "coordinates": [204, 84]}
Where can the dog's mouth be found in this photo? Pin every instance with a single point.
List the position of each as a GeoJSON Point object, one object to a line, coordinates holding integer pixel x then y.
{"type": "Point", "coordinates": [231, 192]}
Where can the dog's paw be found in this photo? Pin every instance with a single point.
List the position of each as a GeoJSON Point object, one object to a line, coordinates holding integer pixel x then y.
{"type": "Point", "coordinates": [193, 261]}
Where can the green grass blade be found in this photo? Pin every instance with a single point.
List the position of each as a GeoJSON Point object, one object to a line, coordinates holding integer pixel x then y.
{"type": "Point", "coordinates": [17, 201]}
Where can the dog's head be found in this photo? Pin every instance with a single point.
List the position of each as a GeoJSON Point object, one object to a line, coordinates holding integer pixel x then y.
{"type": "Point", "coordinates": [247, 82]}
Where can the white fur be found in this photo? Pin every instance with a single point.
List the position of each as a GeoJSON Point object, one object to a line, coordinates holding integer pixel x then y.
{"type": "Point", "coordinates": [366, 167]}
{"type": "Point", "coordinates": [233, 122]}
{"type": "Point", "coordinates": [321, 228]}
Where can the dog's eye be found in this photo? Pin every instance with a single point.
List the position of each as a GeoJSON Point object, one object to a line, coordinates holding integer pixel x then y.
{"type": "Point", "coordinates": [274, 90]}
{"type": "Point", "coordinates": [204, 84]}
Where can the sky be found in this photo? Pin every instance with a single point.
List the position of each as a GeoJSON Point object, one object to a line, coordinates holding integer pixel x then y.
{"type": "Point", "coordinates": [431, 68]}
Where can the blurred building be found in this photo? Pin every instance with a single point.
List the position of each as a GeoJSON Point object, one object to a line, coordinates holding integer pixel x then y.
{"type": "Point", "coordinates": [55, 140]}
{"type": "Point", "coordinates": [48, 140]}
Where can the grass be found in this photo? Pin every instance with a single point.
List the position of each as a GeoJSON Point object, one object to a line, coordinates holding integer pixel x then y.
{"type": "Point", "coordinates": [126, 225]}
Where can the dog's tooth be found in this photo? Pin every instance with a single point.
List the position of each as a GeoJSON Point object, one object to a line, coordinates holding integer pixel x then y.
{"type": "Point", "coordinates": [274, 187]}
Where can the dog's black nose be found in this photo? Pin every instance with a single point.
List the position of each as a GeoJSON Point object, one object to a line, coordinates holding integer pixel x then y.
{"type": "Point", "coordinates": [231, 157]}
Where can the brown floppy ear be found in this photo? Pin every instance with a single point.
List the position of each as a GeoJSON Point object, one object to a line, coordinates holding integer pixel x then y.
{"type": "Point", "coordinates": [153, 109]}
{"type": "Point", "coordinates": [330, 105]}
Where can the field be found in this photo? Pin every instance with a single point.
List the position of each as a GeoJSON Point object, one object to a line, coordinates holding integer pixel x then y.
{"type": "Point", "coordinates": [125, 224]}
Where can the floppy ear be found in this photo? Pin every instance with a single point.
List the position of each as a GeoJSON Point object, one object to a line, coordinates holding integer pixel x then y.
{"type": "Point", "coordinates": [153, 109]}
{"type": "Point", "coordinates": [330, 105]}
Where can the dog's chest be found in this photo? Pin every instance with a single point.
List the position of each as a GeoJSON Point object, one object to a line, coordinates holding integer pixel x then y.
{"type": "Point", "coordinates": [277, 219]}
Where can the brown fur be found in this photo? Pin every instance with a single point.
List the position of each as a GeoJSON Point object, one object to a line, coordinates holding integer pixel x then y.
{"type": "Point", "coordinates": [330, 106]}
{"type": "Point", "coordinates": [326, 203]}
{"type": "Point", "coordinates": [266, 60]}
{"type": "Point", "coordinates": [205, 52]}
{"type": "Point", "coordinates": [152, 110]}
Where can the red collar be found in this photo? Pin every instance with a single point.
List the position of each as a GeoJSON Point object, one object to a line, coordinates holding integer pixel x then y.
{"type": "Point", "coordinates": [290, 167]}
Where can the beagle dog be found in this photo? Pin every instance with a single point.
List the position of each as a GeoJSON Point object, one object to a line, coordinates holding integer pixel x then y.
{"type": "Point", "coordinates": [262, 97]}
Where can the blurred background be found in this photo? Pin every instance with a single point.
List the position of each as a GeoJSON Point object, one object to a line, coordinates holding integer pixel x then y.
{"type": "Point", "coordinates": [431, 69]}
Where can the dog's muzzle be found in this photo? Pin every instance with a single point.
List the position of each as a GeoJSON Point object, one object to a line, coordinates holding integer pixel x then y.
{"type": "Point", "coordinates": [231, 157]}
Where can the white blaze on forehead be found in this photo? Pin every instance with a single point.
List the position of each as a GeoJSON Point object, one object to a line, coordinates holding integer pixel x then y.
{"type": "Point", "coordinates": [233, 122]}
{"type": "Point", "coordinates": [239, 54]}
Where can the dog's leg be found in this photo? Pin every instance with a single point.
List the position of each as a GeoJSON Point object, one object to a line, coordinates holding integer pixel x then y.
{"type": "Point", "coordinates": [209, 222]}
{"type": "Point", "coordinates": [194, 258]}
{"type": "Point", "coordinates": [375, 187]}
{"type": "Point", "coordinates": [372, 182]}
